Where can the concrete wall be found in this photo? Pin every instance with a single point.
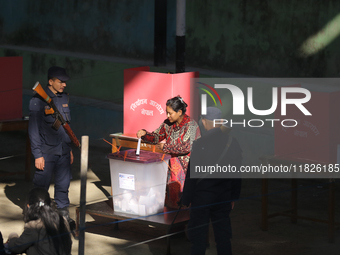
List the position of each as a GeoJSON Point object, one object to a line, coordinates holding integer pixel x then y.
{"type": "Point", "coordinates": [119, 28]}
{"type": "Point", "coordinates": [254, 37]}
{"type": "Point", "coordinates": [264, 38]}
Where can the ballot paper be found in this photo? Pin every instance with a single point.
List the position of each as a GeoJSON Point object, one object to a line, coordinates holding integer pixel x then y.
{"type": "Point", "coordinates": [138, 146]}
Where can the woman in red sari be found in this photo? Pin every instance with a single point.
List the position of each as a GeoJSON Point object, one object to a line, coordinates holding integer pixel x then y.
{"type": "Point", "coordinates": [179, 132]}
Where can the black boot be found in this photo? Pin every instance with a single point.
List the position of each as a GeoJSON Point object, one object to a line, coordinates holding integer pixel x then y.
{"type": "Point", "coordinates": [65, 213]}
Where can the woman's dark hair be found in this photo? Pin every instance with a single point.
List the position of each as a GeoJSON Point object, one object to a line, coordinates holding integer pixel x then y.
{"type": "Point", "coordinates": [177, 103]}
{"type": "Point", "coordinates": [39, 202]}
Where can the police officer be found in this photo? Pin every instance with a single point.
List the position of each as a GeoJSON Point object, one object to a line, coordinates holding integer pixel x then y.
{"type": "Point", "coordinates": [51, 146]}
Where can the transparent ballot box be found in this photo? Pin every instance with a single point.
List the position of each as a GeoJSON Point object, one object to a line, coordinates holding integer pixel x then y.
{"type": "Point", "coordinates": [138, 182]}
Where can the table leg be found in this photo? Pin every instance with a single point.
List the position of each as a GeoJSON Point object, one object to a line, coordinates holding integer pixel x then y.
{"type": "Point", "coordinates": [264, 199]}
{"type": "Point", "coordinates": [168, 252]}
{"type": "Point", "coordinates": [116, 227]}
{"type": "Point", "coordinates": [77, 223]}
{"type": "Point", "coordinates": [28, 159]}
{"type": "Point", "coordinates": [294, 201]}
{"type": "Point", "coordinates": [331, 212]}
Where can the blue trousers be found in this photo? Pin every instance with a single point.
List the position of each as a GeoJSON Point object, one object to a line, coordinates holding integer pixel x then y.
{"type": "Point", "coordinates": [60, 167]}
{"type": "Point", "coordinates": [198, 228]}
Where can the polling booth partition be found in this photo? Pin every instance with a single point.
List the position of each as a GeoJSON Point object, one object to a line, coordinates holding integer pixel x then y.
{"type": "Point", "coordinates": [11, 118]}
{"type": "Point", "coordinates": [315, 137]}
{"type": "Point", "coordinates": [145, 96]}
{"type": "Point", "coordinates": [11, 88]}
{"type": "Point", "coordinates": [310, 148]}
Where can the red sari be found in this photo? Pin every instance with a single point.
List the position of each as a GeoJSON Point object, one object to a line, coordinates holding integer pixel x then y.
{"type": "Point", "coordinates": [178, 142]}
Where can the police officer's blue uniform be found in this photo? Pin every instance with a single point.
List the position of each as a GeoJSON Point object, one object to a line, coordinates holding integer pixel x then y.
{"type": "Point", "coordinates": [53, 145]}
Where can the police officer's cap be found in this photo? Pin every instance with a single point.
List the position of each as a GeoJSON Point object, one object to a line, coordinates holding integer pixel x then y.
{"type": "Point", "coordinates": [212, 113]}
{"type": "Point", "coordinates": [57, 72]}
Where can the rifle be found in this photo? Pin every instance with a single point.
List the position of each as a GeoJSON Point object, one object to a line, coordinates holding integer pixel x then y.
{"type": "Point", "coordinates": [54, 110]}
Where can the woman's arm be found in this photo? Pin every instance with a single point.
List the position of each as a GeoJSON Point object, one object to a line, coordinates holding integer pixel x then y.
{"type": "Point", "coordinates": [156, 136]}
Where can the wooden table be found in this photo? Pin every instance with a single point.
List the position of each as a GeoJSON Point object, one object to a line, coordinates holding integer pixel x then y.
{"type": "Point", "coordinates": [170, 218]}
{"type": "Point", "coordinates": [293, 211]}
{"type": "Point", "coordinates": [131, 141]}
{"type": "Point", "coordinates": [15, 125]}
{"type": "Point", "coordinates": [163, 220]}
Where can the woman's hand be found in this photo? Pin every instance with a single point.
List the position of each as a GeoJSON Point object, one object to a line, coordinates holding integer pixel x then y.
{"type": "Point", "coordinates": [140, 133]}
{"type": "Point", "coordinates": [160, 146]}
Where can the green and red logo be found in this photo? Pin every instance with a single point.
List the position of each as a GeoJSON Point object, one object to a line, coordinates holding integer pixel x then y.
{"type": "Point", "coordinates": [204, 97]}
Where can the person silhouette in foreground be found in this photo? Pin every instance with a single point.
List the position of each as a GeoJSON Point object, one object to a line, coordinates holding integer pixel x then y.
{"type": "Point", "coordinates": [46, 231]}
{"type": "Point", "coordinates": [212, 198]}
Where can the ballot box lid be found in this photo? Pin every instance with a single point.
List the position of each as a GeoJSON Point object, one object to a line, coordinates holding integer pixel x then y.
{"type": "Point", "coordinates": [144, 156]}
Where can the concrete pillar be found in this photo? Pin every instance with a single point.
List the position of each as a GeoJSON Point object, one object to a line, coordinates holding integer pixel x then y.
{"type": "Point", "coordinates": [180, 36]}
